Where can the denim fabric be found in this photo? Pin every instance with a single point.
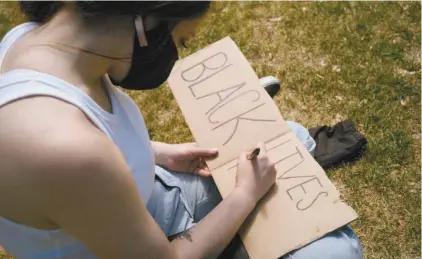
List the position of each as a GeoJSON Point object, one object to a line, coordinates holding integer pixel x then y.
{"type": "Point", "coordinates": [179, 200]}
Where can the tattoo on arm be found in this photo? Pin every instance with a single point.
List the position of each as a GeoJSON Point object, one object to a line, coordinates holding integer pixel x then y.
{"type": "Point", "coordinates": [185, 235]}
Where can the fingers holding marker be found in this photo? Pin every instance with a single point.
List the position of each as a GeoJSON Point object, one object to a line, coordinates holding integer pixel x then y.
{"type": "Point", "coordinates": [253, 154]}
{"type": "Point", "coordinates": [260, 151]}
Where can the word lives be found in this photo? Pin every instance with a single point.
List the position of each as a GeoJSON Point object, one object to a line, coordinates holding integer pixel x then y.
{"type": "Point", "coordinates": [303, 189]}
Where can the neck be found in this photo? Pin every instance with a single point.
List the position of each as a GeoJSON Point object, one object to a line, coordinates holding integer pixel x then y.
{"type": "Point", "coordinates": [81, 49]}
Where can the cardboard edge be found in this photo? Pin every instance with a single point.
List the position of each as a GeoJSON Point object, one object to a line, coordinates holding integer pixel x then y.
{"type": "Point", "coordinates": [179, 62]}
{"type": "Point", "coordinates": [317, 237]}
{"type": "Point", "coordinates": [353, 214]}
{"type": "Point", "coordinates": [355, 217]}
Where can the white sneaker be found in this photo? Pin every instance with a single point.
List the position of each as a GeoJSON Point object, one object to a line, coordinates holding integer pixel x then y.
{"type": "Point", "coordinates": [270, 84]}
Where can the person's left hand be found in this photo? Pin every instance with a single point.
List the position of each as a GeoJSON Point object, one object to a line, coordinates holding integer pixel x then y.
{"type": "Point", "coordinates": [184, 158]}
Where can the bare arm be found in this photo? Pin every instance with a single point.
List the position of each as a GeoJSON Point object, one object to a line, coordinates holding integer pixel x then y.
{"type": "Point", "coordinates": [90, 192]}
{"type": "Point", "coordinates": [95, 198]}
{"type": "Point", "coordinates": [157, 153]}
{"type": "Point", "coordinates": [81, 183]}
{"type": "Point", "coordinates": [213, 233]}
{"type": "Point", "coordinates": [97, 201]}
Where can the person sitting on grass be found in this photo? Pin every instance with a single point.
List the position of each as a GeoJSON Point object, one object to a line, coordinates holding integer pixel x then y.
{"type": "Point", "coordinates": [79, 175]}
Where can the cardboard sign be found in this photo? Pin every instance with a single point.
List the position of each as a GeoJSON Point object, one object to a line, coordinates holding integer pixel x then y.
{"type": "Point", "coordinates": [225, 107]}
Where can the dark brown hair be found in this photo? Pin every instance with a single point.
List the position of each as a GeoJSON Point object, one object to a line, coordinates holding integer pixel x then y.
{"type": "Point", "coordinates": [42, 11]}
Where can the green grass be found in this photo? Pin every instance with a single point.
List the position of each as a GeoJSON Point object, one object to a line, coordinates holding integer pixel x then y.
{"type": "Point", "coordinates": [336, 60]}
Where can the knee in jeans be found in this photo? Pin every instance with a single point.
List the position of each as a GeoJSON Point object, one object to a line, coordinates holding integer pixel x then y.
{"type": "Point", "coordinates": [303, 135]}
{"type": "Point", "coordinates": [341, 244]}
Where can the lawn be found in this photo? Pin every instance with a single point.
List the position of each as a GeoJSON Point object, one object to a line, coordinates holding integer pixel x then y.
{"type": "Point", "coordinates": [336, 61]}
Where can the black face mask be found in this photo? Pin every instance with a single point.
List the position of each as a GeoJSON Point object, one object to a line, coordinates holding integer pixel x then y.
{"type": "Point", "coordinates": [152, 64]}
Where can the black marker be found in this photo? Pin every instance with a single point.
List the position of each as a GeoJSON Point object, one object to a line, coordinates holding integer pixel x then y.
{"type": "Point", "coordinates": [253, 154]}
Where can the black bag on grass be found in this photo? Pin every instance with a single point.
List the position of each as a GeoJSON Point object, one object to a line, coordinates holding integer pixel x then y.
{"type": "Point", "coordinates": [339, 144]}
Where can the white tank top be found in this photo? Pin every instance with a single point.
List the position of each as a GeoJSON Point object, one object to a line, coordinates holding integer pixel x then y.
{"type": "Point", "coordinates": [125, 127]}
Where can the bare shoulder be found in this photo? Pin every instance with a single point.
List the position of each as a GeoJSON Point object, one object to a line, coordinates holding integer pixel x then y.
{"type": "Point", "coordinates": [46, 145]}
{"type": "Point", "coordinates": [40, 129]}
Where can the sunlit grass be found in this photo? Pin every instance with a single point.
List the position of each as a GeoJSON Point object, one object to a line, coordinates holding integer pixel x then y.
{"type": "Point", "coordinates": [336, 60]}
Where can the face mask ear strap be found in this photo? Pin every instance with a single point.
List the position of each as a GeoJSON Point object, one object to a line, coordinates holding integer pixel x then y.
{"type": "Point", "coordinates": [140, 31]}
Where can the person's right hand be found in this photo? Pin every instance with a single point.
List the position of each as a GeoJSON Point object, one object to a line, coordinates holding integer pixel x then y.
{"type": "Point", "coordinates": [255, 177]}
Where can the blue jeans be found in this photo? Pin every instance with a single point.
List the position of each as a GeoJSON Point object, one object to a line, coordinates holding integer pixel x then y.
{"type": "Point", "coordinates": [180, 200]}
